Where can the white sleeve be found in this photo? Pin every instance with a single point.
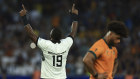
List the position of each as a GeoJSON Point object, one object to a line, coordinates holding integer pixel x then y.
{"type": "Point", "coordinates": [69, 41]}
{"type": "Point", "coordinates": [42, 43]}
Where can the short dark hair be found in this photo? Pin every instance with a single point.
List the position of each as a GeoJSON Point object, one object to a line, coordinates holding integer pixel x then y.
{"type": "Point", "coordinates": [56, 35]}
{"type": "Point", "coordinates": [118, 27]}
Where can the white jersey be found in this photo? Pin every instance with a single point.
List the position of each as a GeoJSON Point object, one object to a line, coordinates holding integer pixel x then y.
{"type": "Point", "coordinates": [53, 67]}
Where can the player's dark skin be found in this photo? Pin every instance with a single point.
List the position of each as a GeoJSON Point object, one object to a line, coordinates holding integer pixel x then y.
{"type": "Point", "coordinates": [34, 37]}
{"type": "Point", "coordinates": [89, 59]}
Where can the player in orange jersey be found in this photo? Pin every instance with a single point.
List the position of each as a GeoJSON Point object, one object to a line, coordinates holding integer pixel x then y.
{"type": "Point", "coordinates": [101, 59]}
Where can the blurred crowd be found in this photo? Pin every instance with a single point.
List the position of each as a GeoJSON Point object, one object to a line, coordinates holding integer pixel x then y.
{"type": "Point", "coordinates": [17, 57]}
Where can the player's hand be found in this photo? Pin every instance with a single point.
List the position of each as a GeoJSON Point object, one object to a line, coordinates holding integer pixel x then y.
{"type": "Point", "coordinates": [102, 75]}
{"type": "Point", "coordinates": [75, 11]}
{"type": "Point", "coordinates": [23, 11]}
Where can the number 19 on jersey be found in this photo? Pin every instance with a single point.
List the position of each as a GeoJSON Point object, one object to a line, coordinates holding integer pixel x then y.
{"type": "Point", "coordinates": [57, 60]}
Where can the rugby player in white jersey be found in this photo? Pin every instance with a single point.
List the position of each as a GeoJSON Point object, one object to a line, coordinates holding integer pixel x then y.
{"type": "Point", "coordinates": [56, 49]}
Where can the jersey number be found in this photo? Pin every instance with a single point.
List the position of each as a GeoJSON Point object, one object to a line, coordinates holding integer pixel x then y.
{"type": "Point", "coordinates": [57, 60]}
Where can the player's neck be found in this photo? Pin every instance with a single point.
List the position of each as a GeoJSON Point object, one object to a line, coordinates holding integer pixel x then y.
{"type": "Point", "coordinates": [106, 38]}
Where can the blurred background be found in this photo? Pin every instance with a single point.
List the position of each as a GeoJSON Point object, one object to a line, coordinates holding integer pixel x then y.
{"type": "Point", "coordinates": [20, 60]}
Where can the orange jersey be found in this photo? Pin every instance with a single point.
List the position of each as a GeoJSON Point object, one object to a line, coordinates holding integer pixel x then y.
{"type": "Point", "coordinates": [105, 57]}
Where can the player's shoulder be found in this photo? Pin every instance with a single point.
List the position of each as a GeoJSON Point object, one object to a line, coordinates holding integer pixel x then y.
{"type": "Point", "coordinates": [98, 45]}
{"type": "Point", "coordinates": [43, 43]}
{"type": "Point", "coordinates": [99, 42]}
{"type": "Point", "coordinates": [42, 40]}
{"type": "Point", "coordinates": [67, 39]}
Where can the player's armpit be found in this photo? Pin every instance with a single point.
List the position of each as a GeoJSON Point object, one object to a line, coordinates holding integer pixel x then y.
{"type": "Point", "coordinates": [31, 33]}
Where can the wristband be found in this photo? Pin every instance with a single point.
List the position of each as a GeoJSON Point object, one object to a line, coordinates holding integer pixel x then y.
{"type": "Point", "coordinates": [96, 75]}
{"type": "Point", "coordinates": [74, 17]}
{"type": "Point", "coordinates": [24, 19]}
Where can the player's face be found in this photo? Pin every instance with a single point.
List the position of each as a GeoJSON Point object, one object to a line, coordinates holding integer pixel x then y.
{"type": "Point", "coordinates": [115, 40]}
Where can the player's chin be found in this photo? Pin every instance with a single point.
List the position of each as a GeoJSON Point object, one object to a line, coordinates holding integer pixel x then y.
{"type": "Point", "coordinates": [116, 44]}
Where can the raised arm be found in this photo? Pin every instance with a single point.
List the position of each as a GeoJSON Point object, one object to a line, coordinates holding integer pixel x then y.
{"type": "Point", "coordinates": [28, 27]}
{"type": "Point", "coordinates": [74, 14]}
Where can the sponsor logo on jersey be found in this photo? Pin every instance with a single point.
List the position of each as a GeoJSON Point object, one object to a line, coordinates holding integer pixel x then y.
{"type": "Point", "coordinates": [56, 53]}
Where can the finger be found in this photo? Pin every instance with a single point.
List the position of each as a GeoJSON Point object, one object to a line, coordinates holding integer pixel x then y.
{"type": "Point", "coordinates": [104, 77]}
{"type": "Point", "coordinates": [105, 74]}
{"type": "Point", "coordinates": [23, 7]}
{"type": "Point", "coordinates": [73, 6]}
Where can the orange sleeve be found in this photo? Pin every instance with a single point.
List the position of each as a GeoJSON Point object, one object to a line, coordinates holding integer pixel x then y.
{"type": "Point", "coordinates": [97, 50]}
